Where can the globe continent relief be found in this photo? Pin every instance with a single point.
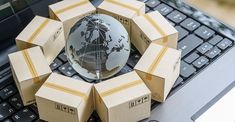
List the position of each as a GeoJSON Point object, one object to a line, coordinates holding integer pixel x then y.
{"type": "Point", "coordinates": [98, 46]}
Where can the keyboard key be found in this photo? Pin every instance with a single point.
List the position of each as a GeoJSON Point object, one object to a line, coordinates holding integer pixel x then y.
{"type": "Point", "coordinates": [133, 49]}
{"type": "Point", "coordinates": [5, 72]}
{"type": "Point", "coordinates": [224, 44]}
{"type": "Point", "coordinates": [163, 9]}
{"type": "Point", "coordinates": [200, 62]}
{"type": "Point", "coordinates": [124, 70]}
{"type": "Point", "coordinates": [92, 119]}
{"type": "Point", "coordinates": [55, 64]}
{"type": "Point", "coordinates": [192, 57]}
{"type": "Point", "coordinates": [5, 111]}
{"type": "Point", "coordinates": [67, 70]}
{"type": "Point", "coordinates": [133, 59]}
{"type": "Point", "coordinates": [25, 16]}
{"type": "Point", "coordinates": [172, 23]}
{"type": "Point", "coordinates": [204, 32]}
{"type": "Point", "coordinates": [152, 3]}
{"type": "Point", "coordinates": [34, 108]}
{"type": "Point", "coordinates": [188, 44]}
{"type": "Point", "coordinates": [215, 40]}
{"type": "Point", "coordinates": [176, 16]}
{"type": "Point", "coordinates": [147, 9]}
{"type": "Point", "coordinates": [77, 77]}
{"type": "Point", "coordinates": [6, 78]}
{"type": "Point", "coordinates": [190, 24]}
{"type": "Point", "coordinates": [213, 53]}
{"type": "Point", "coordinates": [178, 82]}
{"type": "Point", "coordinates": [18, 5]}
{"type": "Point", "coordinates": [182, 32]}
{"type": "Point", "coordinates": [186, 70]}
{"type": "Point", "coordinates": [204, 48]}
{"type": "Point", "coordinates": [7, 92]}
{"type": "Point", "coordinates": [24, 115]}
{"type": "Point", "coordinates": [5, 10]}
{"type": "Point", "coordinates": [16, 102]}
{"type": "Point", "coordinates": [57, 71]}
{"type": "Point", "coordinates": [63, 57]}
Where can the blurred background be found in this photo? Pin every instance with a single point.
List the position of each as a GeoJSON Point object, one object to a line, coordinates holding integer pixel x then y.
{"type": "Point", "coordinates": [223, 10]}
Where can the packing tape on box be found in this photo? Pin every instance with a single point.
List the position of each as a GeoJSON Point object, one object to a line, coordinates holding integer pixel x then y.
{"type": "Point", "coordinates": [155, 63]}
{"type": "Point", "coordinates": [120, 88]}
{"type": "Point", "coordinates": [117, 2]}
{"type": "Point", "coordinates": [69, 8]}
{"type": "Point", "coordinates": [66, 90]}
{"type": "Point", "coordinates": [157, 27]}
{"type": "Point", "coordinates": [38, 30]}
{"type": "Point", "coordinates": [31, 67]}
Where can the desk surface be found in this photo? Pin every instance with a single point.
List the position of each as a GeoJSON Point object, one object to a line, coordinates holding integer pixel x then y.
{"type": "Point", "coordinates": [221, 11]}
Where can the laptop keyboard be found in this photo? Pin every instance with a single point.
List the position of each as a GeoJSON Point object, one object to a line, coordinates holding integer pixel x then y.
{"type": "Point", "coordinates": [200, 45]}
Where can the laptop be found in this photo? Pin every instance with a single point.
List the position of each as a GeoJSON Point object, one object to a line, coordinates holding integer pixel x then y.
{"type": "Point", "coordinates": [207, 64]}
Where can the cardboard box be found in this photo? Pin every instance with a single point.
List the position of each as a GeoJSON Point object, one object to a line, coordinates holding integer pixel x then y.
{"type": "Point", "coordinates": [159, 68]}
{"type": "Point", "coordinates": [122, 99]}
{"type": "Point", "coordinates": [122, 10]}
{"type": "Point", "coordinates": [70, 11]}
{"type": "Point", "coordinates": [30, 69]}
{"type": "Point", "coordinates": [43, 32]}
{"type": "Point", "coordinates": [152, 27]}
{"type": "Point", "coordinates": [64, 99]}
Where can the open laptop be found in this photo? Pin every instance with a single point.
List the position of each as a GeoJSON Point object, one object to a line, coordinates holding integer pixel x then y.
{"type": "Point", "coordinates": [207, 65]}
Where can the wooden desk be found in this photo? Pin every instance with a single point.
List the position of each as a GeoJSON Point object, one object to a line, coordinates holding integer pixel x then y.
{"type": "Point", "coordinates": [220, 11]}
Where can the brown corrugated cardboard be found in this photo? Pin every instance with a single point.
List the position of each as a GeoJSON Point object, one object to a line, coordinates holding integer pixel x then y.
{"type": "Point", "coordinates": [122, 10]}
{"type": "Point", "coordinates": [43, 32]}
{"type": "Point", "coordinates": [30, 69]}
{"type": "Point", "coordinates": [64, 99]}
{"type": "Point", "coordinates": [159, 68]}
{"type": "Point", "coordinates": [70, 11]}
{"type": "Point", "coordinates": [152, 27]}
{"type": "Point", "coordinates": [122, 99]}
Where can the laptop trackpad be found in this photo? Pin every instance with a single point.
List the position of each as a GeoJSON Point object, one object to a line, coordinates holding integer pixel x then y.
{"type": "Point", "coordinates": [219, 109]}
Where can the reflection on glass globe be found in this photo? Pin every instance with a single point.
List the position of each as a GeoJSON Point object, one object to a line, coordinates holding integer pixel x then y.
{"type": "Point", "coordinates": [98, 46]}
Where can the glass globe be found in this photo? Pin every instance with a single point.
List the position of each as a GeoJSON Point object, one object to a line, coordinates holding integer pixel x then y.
{"type": "Point", "coordinates": [98, 46]}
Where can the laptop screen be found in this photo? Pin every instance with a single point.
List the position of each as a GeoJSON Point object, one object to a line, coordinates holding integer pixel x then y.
{"type": "Point", "coordinates": [16, 14]}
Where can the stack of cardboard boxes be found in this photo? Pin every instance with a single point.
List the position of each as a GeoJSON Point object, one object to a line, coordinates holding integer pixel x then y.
{"type": "Point", "coordinates": [121, 99]}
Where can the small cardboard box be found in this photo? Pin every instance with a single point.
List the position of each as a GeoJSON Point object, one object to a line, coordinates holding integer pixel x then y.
{"type": "Point", "coordinates": [159, 68]}
{"type": "Point", "coordinates": [122, 99]}
{"type": "Point", "coordinates": [152, 27]}
{"type": "Point", "coordinates": [70, 11]}
{"type": "Point", "coordinates": [64, 99]}
{"type": "Point", "coordinates": [30, 69]}
{"type": "Point", "coordinates": [43, 32]}
{"type": "Point", "coordinates": [122, 10]}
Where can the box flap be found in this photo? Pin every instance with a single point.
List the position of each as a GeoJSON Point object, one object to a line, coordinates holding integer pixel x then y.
{"type": "Point", "coordinates": [39, 31]}
{"type": "Point", "coordinates": [126, 8]}
{"type": "Point", "coordinates": [29, 63]}
{"type": "Point", "coordinates": [121, 89]}
{"type": "Point", "coordinates": [73, 7]}
{"type": "Point", "coordinates": [65, 90]}
{"type": "Point", "coordinates": [155, 22]}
